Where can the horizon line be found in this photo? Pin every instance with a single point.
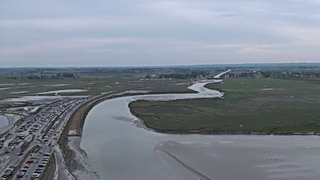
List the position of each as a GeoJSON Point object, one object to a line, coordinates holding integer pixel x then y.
{"type": "Point", "coordinates": [172, 65]}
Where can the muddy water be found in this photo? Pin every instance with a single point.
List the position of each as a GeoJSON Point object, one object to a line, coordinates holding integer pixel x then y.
{"type": "Point", "coordinates": [118, 149]}
{"type": "Point", "coordinates": [3, 122]}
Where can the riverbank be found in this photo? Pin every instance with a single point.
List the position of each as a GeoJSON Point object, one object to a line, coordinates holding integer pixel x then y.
{"type": "Point", "coordinates": [76, 158]}
{"type": "Point", "coordinates": [69, 142]}
{"type": "Point", "coordinates": [115, 144]}
{"type": "Point", "coordinates": [249, 107]}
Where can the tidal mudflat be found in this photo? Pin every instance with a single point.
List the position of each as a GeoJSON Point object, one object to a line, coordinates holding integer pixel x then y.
{"type": "Point", "coordinates": [118, 149]}
{"type": "Point", "coordinates": [64, 91]}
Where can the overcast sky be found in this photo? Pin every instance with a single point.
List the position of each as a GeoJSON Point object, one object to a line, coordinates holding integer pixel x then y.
{"type": "Point", "coordinates": [157, 32]}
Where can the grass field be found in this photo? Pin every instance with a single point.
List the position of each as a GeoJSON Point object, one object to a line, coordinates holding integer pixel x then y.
{"type": "Point", "coordinates": [262, 106]}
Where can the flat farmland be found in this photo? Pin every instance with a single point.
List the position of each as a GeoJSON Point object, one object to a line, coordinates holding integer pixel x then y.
{"type": "Point", "coordinates": [87, 86]}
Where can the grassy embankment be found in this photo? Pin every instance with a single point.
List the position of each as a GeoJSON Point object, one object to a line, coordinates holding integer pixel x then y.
{"type": "Point", "coordinates": [250, 106]}
{"type": "Point", "coordinates": [50, 169]}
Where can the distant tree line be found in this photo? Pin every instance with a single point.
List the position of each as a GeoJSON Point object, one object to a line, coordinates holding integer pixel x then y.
{"type": "Point", "coordinates": [192, 72]}
{"type": "Point", "coordinates": [45, 76]}
{"type": "Point", "coordinates": [187, 75]}
{"type": "Point", "coordinates": [238, 74]}
{"type": "Point", "coordinates": [277, 74]}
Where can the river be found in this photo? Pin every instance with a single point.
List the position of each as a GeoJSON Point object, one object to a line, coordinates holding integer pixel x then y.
{"type": "Point", "coordinates": [118, 149]}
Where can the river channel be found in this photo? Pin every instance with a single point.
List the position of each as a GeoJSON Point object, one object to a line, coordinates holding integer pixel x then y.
{"type": "Point", "coordinates": [119, 148]}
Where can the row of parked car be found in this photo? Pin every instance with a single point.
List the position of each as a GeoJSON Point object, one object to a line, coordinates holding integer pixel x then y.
{"type": "Point", "coordinates": [7, 173]}
{"type": "Point", "coordinates": [2, 140]}
{"type": "Point", "coordinates": [41, 165]}
{"type": "Point", "coordinates": [38, 128]}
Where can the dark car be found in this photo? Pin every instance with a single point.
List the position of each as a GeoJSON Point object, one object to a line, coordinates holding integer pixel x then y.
{"type": "Point", "coordinates": [20, 175]}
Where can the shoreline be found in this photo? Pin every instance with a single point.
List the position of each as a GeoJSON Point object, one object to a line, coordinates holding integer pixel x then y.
{"type": "Point", "coordinates": [12, 120]}
{"type": "Point", "coordinates": [70, 143]}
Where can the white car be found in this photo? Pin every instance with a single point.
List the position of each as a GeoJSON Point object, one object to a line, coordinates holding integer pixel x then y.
{"type": "Point", "coordinates": [35, 175]}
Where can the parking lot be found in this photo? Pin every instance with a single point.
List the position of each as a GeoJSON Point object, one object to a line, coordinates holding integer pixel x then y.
{"type": "Point", "coordinates": [26, 149]}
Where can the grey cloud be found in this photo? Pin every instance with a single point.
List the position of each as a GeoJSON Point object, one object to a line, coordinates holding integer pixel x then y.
{"type": "Point", "coordinates": [155, 32]}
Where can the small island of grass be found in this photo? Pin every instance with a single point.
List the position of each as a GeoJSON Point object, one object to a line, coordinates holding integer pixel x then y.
{"type": "Point", "coordinates": [250, 106]}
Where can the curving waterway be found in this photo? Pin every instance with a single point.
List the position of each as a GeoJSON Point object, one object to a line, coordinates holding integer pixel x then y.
{"type": "Point", "coordinates": [118, 149]}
